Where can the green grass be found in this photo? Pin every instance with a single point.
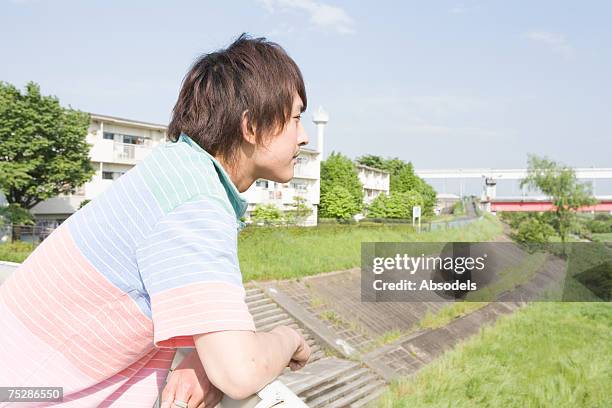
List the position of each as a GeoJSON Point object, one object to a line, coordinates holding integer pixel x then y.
{"type": "Point", "coordinates": [602, 237]}
{"type": "Point", "coordinates": [283, 253]}
{"type": "Point", "coordinates": [16, 251]}
{"type": "Point", "coordinates": [545, 355]}
{"type": "Point", "coordinates": [448, 313]}
{"type": "Point", "coordinates": [389, 337]}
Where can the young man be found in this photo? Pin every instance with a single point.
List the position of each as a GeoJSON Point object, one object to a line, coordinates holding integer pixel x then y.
{"type": "Point", "coordinates": [100, 307]}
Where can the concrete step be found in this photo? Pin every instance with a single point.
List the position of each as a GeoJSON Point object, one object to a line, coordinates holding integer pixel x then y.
{"type": "Point", "coordinates": [363, 391]}
{"type": "Point", "coordinates": [263, 307]}
{"type": "Point", "coordinates": [259, 302]}
{"type": "Point", "coordinates": [267, 313]}
{"type": "Point", "coordinates": [270, 318]}
{"type": "Point", "coordinates": [315, 373]}
{"type": "Point", "coordinates": [368, 399]}
{"type": "Point", "coordinates": [255, 296]}
{"type": "Point", "coordinates": [348, 391]}
{"type": "Point", "coordinates": [251, 290]}
{"type": "Point", "coordinates": [342, 379]}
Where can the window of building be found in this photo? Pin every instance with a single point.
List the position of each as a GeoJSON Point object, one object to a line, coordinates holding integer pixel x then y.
{"type": "Point", "coordinates": [112, 175]}
{"type": "Point", "coordinates": [136, 140]}
{"type": "Point", "coordinates": [299, 185]}
{"type": "Point", "coordinates": [127, 139]}
{"type": "Point", "coordinates": [261, 183]}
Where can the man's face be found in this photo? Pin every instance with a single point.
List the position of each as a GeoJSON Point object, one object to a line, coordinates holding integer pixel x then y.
{"type": "Point", "coordinates": [276, 157]}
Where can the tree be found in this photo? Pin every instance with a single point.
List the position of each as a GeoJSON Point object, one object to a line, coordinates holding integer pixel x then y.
{"type": "Point", "coordinates": [392, 166]}
{"type": "Point", "coordinates": [407, 180]}
{"type": "Point", "coordinates": [267, 214]}
{"type": "Point", "coordinates": [559, 183]}
{"type": "Point", "coordinates": [14, 214]}
{"type": "Point", "coordinates": [395, 205]}
{"type": "Point", "coordinates": [340, 171]}
{"type": "Point", "coordinates": [43, 151]}
{"type": "Point", "coordinates": [339, 203]}
{"type": "Point", "coordinates": [371, 160]}
{"type": "Point", "coordinates": [301, 210]}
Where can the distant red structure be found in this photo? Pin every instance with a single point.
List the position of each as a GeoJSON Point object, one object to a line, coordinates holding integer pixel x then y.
{"type": "Point", "coordinates": [534, 206]}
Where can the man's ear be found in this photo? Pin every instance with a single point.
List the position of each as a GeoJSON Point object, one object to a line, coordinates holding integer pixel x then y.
{"type": "Point", "coordinates": [248, 130]}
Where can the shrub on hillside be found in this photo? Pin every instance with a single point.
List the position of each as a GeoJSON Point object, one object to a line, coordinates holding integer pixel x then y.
{"type": "Point", "coordinates": [533, 230]}
{"type": "Point", "coordinates": [395, 205]}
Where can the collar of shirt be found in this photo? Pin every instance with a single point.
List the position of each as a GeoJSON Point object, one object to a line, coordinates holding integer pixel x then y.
{"type": "Point", "coordinates": [238, 202]}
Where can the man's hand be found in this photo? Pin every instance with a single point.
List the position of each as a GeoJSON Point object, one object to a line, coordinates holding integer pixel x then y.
{"type": "Point", "coordinates": [302, 352]}
{"type": "Point", "coordinates": [189, 383]}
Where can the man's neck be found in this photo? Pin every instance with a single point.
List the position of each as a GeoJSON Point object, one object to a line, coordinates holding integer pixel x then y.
{"type": "Point", "coordinates": [240, 175]}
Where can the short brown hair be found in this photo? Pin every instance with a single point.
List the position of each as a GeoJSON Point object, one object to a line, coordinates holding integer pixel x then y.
{"type": "Point", "coordinates": [253, 75]}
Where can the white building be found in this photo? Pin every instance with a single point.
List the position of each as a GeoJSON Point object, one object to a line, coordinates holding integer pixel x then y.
{"type": "Point", "coordinates": [119, 144]}
{"type": "Point", "coordinates": [374, 181]}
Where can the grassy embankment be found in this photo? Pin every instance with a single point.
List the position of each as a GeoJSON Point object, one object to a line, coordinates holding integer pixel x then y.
{"type": "Point", "coordinates": [545, 355]}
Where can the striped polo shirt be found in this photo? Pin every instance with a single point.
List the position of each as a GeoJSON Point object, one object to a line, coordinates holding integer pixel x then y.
{"type": "Point", "coordinates": [101, 305]}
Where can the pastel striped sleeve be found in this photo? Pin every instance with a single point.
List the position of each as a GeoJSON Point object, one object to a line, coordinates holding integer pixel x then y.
{"type": "Point", "coordinates": [189, 267]}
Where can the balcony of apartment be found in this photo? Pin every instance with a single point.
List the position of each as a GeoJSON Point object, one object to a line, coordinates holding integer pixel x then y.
{"type": "Point", "coordinates": [110, 151]}
{"type": "Point", "coordinates": [281, 195]}
{"type": "Point", "coordinates": [306, 168]}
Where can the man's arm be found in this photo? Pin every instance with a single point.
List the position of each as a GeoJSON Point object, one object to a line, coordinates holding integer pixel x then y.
{"type": "Point", "coordinates": [240, 363]}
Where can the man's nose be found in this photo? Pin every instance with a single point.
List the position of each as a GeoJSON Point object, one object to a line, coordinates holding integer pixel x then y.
{"type": "Point", "coordinates": [302, 136]}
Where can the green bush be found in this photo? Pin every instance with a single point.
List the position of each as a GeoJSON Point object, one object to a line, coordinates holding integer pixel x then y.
{"type": "Point", "coordinates": [16, 251]}
{"type": "Point", "coordinates": [458, 208]}
{"type": "Point", "coordinates": [534, 230]}
{"type": "Point", "coordinates": [599, 226]}
{"type": "Point", "coordinates": [395, 205]}
{"type": "Point", "coordinates": [267, 214]}
{"type": "Point", "coordinates": [339, 203]}
{"type": "Point", "coordinates": [513, 218]}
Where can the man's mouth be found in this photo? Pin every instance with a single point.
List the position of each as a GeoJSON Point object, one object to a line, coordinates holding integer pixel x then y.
{"type": "Point", "coordinates": [296, 154]}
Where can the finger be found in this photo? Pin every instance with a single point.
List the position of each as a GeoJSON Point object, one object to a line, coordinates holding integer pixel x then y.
{"type": "Point", "coordinates": [168, 394]}
{"type": "Point", "coordinates": [183, 392]}
{"type": "Point", "coordinates": [296, 365]}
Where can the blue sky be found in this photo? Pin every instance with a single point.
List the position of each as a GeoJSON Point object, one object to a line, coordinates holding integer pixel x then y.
{"type": "Point", "coordinates": [444, 84]}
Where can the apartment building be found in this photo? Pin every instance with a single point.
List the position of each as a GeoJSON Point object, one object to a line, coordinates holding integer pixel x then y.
{"type": "Point", "coordinates": [117, 145]}
{"type": "Point", "coordinates": [374, 181]}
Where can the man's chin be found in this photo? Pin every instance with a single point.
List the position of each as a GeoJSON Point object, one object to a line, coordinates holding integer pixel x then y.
{"type": "Point", "coordinates": [282, 178]}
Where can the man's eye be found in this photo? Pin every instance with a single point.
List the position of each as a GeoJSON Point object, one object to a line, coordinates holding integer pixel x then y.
{"type": "Point", "coordinates": [298, 117]}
